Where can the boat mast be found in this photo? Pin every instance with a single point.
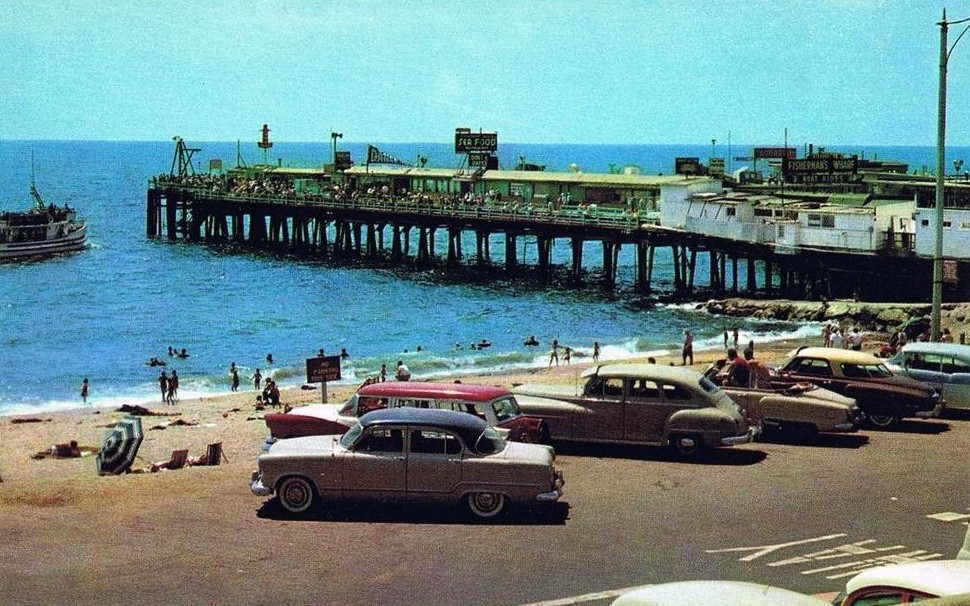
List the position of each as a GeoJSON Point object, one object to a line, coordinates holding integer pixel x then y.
{"type": "Point", "coordinates": [33, 187]}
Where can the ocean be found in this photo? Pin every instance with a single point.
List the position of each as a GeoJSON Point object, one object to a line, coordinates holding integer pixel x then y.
{"type": "Point", "coordinates": [104, 312]}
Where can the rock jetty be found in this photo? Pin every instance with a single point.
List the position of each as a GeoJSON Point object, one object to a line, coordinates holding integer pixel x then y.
{"type": "Point", "coordinates": [883, 317]}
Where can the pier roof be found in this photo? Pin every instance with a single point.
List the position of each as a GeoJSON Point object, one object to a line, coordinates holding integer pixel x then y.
{"type": "Point", "coordinates": [528, 176]}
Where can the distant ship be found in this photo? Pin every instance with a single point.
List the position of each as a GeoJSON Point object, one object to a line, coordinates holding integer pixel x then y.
{"type": "Point", "coordinates": [42, 231]}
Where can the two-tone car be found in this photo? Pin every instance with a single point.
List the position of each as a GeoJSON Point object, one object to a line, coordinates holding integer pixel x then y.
{"type": "Point", "coordinates": [639, 404]}
{"type": "Point", "coordinates": [496, 405]}
{"type": "Point", "coordinates": [884, 397]}
{"type": "Point", "coordinates": [945, 366]}
{"type": "Point", "coordinates": [410, 455]}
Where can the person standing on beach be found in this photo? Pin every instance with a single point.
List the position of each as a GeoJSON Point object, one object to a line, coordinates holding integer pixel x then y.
{"type": "Point", "coordinates": [84, 390]}
{"type": "Point", "coordinates": [596, 351]}
{"type": "Point", "coordinates": [173, 388]}
{"type": "Point", "coordinates": [725, 340]}
{"type": "Point", "coordinates": [554, 353]}
{"type": "Point", "coordinates": [163, 385]}
{"type": "Point", "coordinates": [567, 354]}
{"type": "Point", "coordinates": [403, 373]}
{"type": "Point", "coordinates": [856, 339]}
{"type": "Point", "coordinates": [837, 340]}
{"type": "Point", "coordinates": [235, 380]}
{"type": "Point", "coordinates": [383, 372]}
{"type": "Point", "coordinates": [735, 338]}
{"type": "Point", "coordinates": [257, 379]}
{"type": "Point", "coordinates": [687, 353]}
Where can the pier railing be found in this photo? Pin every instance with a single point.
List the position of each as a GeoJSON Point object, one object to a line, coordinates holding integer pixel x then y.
{"type": "Point", "coordinates": [569, 216]}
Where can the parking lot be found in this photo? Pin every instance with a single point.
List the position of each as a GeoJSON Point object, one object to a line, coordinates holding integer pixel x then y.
{"type": "Point", "coordinates": [803, 516]}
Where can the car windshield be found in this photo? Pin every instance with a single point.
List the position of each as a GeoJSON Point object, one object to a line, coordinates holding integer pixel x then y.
{"type": "Point", "coordinates": [489, 442]}
{"type": "Point", "coordinates": [348, 439]}
{"type": "Point", "coordinates": [708, 385]}
{"type": "Point", "coordinates": [861, 371]}
{"type": "Point", "coordinates": [505, 408]}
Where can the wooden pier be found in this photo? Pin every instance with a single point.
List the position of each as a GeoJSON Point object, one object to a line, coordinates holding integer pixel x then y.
{"type": "Point", "coordinates": [398, 230]}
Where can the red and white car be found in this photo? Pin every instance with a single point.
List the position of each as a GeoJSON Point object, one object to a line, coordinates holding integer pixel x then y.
{"type": "Point", "coordinates": [497, 406]}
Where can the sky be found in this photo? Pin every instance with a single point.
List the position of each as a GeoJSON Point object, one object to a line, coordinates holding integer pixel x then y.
{"type": "Point", "coordinates": [836, 72]}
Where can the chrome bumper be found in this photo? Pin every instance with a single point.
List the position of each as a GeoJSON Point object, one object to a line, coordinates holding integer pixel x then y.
{"type": "Point", "coordinates": [256, 486]}
{"type": "Point", "coordinates": [753, 432]}
{"type": "Point", "coordinates": [554, 494]}
{"type": "Point", "coordinates": [930, 414]}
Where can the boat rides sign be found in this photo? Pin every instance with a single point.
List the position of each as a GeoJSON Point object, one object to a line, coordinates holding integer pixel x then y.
{"type": "Point", "coordinates": [824, 169]}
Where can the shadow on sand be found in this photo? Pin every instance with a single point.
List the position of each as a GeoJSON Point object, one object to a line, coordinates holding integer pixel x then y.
{"type": "Point", "coordinates": [707, 456]}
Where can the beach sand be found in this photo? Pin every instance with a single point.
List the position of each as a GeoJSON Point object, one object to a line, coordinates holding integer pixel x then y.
{"type": "Point", "coordinates": [59, 518]}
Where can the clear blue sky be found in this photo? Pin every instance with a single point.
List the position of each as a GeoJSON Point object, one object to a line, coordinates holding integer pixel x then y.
{"type": "Point", "coordinates": [836, 72]}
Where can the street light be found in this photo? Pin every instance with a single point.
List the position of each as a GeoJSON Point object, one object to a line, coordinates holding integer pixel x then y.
{"type": "Point", "coordinates": [945, 51]}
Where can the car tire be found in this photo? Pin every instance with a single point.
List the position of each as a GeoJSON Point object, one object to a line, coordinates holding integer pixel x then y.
{"type": "Point", "coordinates": [544, 437]}
{"type": "Point", "coordinates": [486, 505]}
{"type": "Point", "coordinates": [686, 445]}
{"type": "Point", "coordinates": [886, 421]}
{"type": "Point", "coordinates": [296, 494]}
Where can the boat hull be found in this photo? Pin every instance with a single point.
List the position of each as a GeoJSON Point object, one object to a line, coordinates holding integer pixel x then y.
{"type": "Point", "coordinates": [72, 241]}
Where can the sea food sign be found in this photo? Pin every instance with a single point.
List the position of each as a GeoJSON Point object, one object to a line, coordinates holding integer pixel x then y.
{"type": "Point", "coordinates": [811, 167]}
{"type": "Point", "coordinates": [468, 142]}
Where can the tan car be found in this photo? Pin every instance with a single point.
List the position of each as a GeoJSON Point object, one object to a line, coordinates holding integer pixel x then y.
{"type": "Point", "coordinates": [799, 409]}
{"type": "Point", "coordinates": [410, 455]}
{"type": "Point", "coordinates": [639, 404]}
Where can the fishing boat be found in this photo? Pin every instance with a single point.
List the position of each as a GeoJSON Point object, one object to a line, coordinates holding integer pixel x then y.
{"type": "Point", "coordinates": [44, 230]}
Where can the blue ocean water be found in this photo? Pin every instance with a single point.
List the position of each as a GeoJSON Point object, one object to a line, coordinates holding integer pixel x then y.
{"type": "Point", "coordinates": [104, 312]}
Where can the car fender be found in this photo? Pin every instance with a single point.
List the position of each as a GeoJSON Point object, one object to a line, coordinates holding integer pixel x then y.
{"type": "Point", "coordinates": [706, 420]}
{"type": "Point", "coordinates": [822, 414]}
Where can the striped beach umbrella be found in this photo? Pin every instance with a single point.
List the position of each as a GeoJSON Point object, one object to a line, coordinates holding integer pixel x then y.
{"type": "Point", "coordinates": [118, 452]}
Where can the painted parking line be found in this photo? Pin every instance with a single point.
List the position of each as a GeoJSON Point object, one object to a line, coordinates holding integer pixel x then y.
{"type": "Point", "coordinates": [835, 562]}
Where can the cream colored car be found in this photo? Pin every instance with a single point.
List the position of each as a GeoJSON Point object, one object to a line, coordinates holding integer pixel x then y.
{"type": "Point", "coordinates": [797, 408]}
{"type": "Point", "coordinates": [410, 455]}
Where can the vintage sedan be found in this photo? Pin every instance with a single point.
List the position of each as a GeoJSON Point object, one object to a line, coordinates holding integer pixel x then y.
{"type": "Point", "coordinates": [802, 409]}
{"type": "Point", "coordinates": [410, 455]}
{"type": "Point", "coordinates": [945, 366]}
{"type": "Point", "coordinates": [905, 583]}
{"type": "Point", "coordinates": [640, 404]}
{"type": "Point", "coordinates": [714, 593]}
{"type": "Point", "coordinates": [884, 397]}
{"type": "Point", "coordinates": [496, 405]}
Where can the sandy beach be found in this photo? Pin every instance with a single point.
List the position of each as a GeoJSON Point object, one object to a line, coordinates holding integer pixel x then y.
{"type": "Point", "coordinates": [59, 517]}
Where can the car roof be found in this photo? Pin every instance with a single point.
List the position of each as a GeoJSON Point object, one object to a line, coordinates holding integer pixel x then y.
{"type": "Point", "coordinates": [934, 577]}
{"type": "Point", "coordinates": [715, 593]}
{"type": "Point", "coordinates": [838, 355]}
{"type": "Point", "coordinates": [951, 349]}
{"type": "Point", "coordinates": [470, 427]}
{"type": "Point", "coordinates": [455, 391]}
{"type": "Point", "coordinates": [656, 372]}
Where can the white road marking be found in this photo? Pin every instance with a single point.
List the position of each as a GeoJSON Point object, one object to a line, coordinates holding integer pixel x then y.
{"type": "Point", "coordinates": [763, 550]}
